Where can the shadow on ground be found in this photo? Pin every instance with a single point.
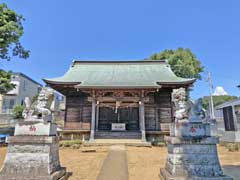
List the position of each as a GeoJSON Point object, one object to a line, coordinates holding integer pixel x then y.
{"type": "Point", "coordinates": [68, 175]}
{"type": "Point", "coordinates": [233, 171]}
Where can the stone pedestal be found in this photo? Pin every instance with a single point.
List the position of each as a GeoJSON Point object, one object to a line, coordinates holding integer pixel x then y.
{"type": "Point", "coordinates": [192, 154]}
{"type": "Point", "coordinates": [33, 153]}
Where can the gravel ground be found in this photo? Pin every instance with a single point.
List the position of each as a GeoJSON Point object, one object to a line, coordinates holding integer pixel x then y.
{"type": "Point", "coordinates": [143, 162]}
{"type": "Point", "coordinates": [80, 165]}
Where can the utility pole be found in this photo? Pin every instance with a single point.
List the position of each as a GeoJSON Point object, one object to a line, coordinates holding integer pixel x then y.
{"type": "Point", "coordinates": [211, 106]}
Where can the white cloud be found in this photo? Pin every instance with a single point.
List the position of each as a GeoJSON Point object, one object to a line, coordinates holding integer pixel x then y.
{"type": "Point", "coordinates": [219, 91]}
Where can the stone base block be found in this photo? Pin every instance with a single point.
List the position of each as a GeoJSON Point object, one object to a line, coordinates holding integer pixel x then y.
{"type": "Point", "coordinates": [58, 175]}
{"type": "Point", "coordinates": [32, 157]}
{"type": "Point", "coordinates": [192, 159]}
{"type": "Point", "coordinates": [165, 175]}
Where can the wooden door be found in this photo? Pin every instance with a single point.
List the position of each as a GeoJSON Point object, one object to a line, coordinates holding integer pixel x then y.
{"type": "Point", "coordinates": [129, 116]}
{"type": "Point", "coordinates": [107, 116]}
{"type": "Point", "coordinates": [133, 122]}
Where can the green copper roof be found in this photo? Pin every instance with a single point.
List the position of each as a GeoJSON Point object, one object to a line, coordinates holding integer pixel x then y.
{"type": "Point", "coordinates": [110, 74]}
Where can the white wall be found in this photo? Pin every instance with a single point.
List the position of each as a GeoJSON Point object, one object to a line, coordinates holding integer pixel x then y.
{"type": "Point", "coordinates": [26, 88]}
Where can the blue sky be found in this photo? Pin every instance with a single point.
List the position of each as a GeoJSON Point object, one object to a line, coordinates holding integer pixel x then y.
{"type": "Point", "coordinates": [59, 31]}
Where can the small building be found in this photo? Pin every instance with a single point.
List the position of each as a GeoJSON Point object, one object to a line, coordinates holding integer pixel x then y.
{"type": "Point", "coordinates": [120, 99]}
{"type": "Point", "coordinates": [25, 87]}
{"type": "Point", "coordinates": [228, 120]}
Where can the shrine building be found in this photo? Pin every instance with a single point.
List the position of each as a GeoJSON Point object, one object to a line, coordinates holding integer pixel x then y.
{"type": "Point", "coordinates": [118, 99]}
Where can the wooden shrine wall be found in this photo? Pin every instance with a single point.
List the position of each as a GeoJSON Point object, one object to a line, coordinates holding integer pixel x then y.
{"type": "Point", "coordinates": [78, 113]}
{"type": "Point", "coordinates": [158, 111]}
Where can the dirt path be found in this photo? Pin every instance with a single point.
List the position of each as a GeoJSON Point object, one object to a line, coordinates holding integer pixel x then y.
{"type": "Point", "coordinates": [143, 163]}
{"type": "Point", "coordinates": [115, 166]}
{"type": "Point", "coordinates": [230, 162]}
{"type": "Point", "coordinates": [83, 165]}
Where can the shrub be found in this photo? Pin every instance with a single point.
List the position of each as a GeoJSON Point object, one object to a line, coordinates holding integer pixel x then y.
{"type": "Point", "coordinates": [17, 111]}
{"type": "Point", "coordinates": [71, 143]}
{"type": "Point", "coordinates": [76, 146]}
{"type": "Point", "coordinates": [232, 147]}
{"type": "Point", "coordinates": [158, 143]}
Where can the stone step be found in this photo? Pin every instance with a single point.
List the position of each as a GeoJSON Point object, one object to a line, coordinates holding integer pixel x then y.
{"type": "Point", "coordinates": [110, 142]}
{"type": "Point", "coordinates": [117, 135]}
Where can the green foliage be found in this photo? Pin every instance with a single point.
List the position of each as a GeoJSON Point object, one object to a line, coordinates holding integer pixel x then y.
{"type": "Point", "coordinates": [11, 30]}
{"type": "Point", "coordinates": [183, 62]}
{"type": "Point", "coordinates": [232, 147]}
{"type": "Point", "coordinates": [17, 111]}
{"type": "Point", "coordinates": [158, 143]}
{"type": "Point", "coordinates": [5, 82]}
{"type": "Point", "coordinates": [75, 144]}
{"type": "Point", "coordinates": [217, 100]}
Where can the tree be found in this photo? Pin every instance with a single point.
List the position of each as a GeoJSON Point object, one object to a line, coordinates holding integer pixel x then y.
{"type": "Point", "coordinates": [217, 100]}
{"type": "Point", "coordinates": [11, 29]}
{"type": "Point", "coordinates": [5, 82]}
{"type": "Point", "coordinates": [182, 61]}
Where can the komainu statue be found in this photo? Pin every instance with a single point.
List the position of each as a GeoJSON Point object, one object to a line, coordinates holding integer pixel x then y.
{"type": "Point", "coordinates": [180, 104]}
{"type": "Point", "coordinates": [196, 112]}
{"type": "Point", "coordinates": [41, 109]}
{"type": "Point", "coordinates": [192, 151]}
{"type": "Point", "coordinates": [33, 151]}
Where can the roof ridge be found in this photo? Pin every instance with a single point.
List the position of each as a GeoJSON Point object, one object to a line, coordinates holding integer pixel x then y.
{"type": "Point", "coordinates": [117, 61]}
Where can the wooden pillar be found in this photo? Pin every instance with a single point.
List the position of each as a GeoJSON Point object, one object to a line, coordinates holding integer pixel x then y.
{"type": "Point", "coordinates": [97, 117]}
{"type": "Point", "coordinates": [93, 117]}
{"type": "Point", "coordinates": [142, 116]}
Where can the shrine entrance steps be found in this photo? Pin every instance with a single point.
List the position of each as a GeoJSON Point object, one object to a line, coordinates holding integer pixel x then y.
{"type": "Point", "coordinates": [118, 138]}
{"type": "Point", "coordinates": [110, 142]}
{"type": "Point", "coordinates": [117, 135]}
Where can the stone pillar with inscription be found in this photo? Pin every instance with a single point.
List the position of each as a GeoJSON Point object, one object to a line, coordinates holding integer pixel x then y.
{"type": "Point", "coordinates": [192, 151]}
{"type": "Point", "coordinates": [33, 150]}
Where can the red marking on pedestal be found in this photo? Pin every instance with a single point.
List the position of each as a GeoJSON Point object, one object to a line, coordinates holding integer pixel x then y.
{"type": "Point", "coordinates": [32, 128]}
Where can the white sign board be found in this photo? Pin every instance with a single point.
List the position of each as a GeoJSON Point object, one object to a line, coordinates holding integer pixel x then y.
{"type": "Point", "coordinates": [118, 127]}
